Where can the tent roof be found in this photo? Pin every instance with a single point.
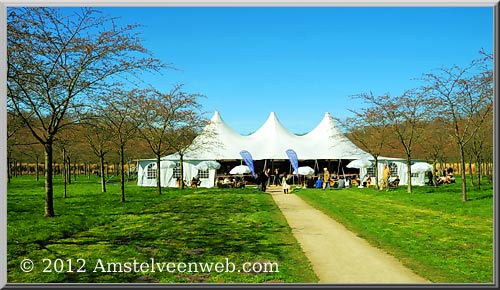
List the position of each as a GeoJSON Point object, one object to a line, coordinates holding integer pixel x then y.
{"type": "Point", "coordinates": [332, 142]}
{"type": "Point", "coordinates": [220, 142]}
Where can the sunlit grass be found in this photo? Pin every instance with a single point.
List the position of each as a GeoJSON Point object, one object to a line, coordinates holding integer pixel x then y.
{"type": "Point", "coordinates": [193, 225]}
{"type": "Point", "coordinates": [431, 230]}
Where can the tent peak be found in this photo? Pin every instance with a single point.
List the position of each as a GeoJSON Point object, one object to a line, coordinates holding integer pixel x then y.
{"type": "Point", "coordinates": [272, 127]}
{"type": "Point", "coordinates": [216, 116]}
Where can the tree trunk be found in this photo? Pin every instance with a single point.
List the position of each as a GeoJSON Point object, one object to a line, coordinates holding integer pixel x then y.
{"type": "Point", "coordinates": [479, 171]}
{"type": "Point", "coordinates": [64, 171]}
{"type": "Point", "coordinates": [158, 176]}
{"type": "Point", "coordinates": [434, 177]}
{"type": "Point", "coordinates": [9, 170]}
{"type": "Point", "coordinates": [408, 172]}
{"type": "Point", "coordinates": [376, 172]}
{"type": "Point", "coordinates": [36, 169]}
{"type": "Point", "coordinates": [103, 179]}
{"type": "Point", "coordinates": [122, 179]}
{"type": "Point", "coordinates": [182, 169]}
{"type": "Point", "coordinates": [490, 173]}
{"type": "Point", "coordinates": [128, 169]}
{"type": "Point", "coordinates": [68, 171]}
{"type": "Point", "coordinates": [75, 172]}
{"type": "Point", "coordinates": [471, 174]}
{"type": "Point", "coordinates": [49, 197]}
{"type": "Point", "coordinates": [462, 174]}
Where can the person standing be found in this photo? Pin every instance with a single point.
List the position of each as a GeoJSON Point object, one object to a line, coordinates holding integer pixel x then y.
{"type": "Point", "coordinates": [285, 185]}
{"type": "Point", "coordinates": [326, 178]}
{"type": "Point", "coordinates": [276, 180]}
{"type": "Point", "coordinates": [386, 173]}
{"type": "Point", "coordinates": [430, 176]}
{"type": "Point", "coordinates": [264, 177]}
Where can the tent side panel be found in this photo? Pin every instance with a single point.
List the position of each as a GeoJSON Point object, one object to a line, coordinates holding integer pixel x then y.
{"type": "Point", "coordinates": [142, 179]}
{"type": "Point", "coordinates": [167, 177]}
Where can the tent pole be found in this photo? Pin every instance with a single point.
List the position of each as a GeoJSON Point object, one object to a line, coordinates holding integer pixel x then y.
{"type": "Point", "coordinates": [343, 173]}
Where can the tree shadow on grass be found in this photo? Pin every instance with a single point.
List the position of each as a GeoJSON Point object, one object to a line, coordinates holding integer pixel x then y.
{"type": "Point", "coordinates": [480, 197]}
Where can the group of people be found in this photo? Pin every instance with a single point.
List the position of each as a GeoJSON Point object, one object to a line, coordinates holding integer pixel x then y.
{"type": "Point", "coordinates": [436, 179]}
{"type": "Point", "coordinates": [264, 176]}
{"type": "Point", "coordinates": [234, 182]}
{"type": "Point", "coordinates": [324, 182]}
{"type": "Point", "coordinates": [385, 183]}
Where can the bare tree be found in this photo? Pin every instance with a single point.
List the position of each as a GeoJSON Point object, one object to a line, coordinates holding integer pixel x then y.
{"type": "Point", "coordinates": [117, 114]}
{"type": "Point", "coordinates": [100, 140]}
{"type": "Point", "coordinates": [409, 114]}
{"type": "Point", "coordinates": [480, 148]}
{"type": "Point", "coordinates": [56, 60]}
{"type": "Point", "coordinates": [190, 133]}
{"type": "Point", "coordinates": [369, 127]}
{"type": "Point", "coordinates": [467, 99]}
{"type": "Point", "coordinates": [437, 143]}
{"type": "Point", "coordinates": [157, 113]}
{"type": "Point", "coordinates": [34, 151]}
{"type": "Point", "coordinates": [62, 145]}
{"type": "Point", "coordinates": [14, 128]}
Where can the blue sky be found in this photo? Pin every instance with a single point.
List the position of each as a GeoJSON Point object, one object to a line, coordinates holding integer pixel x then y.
{"type": "Point", "coordinates": [301, 62]}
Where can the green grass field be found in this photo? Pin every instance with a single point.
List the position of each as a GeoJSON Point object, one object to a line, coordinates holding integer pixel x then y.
{"type": "Point", "coordinates": [189, 226]}
{"type": "Point", "coordinates": [430, 230]}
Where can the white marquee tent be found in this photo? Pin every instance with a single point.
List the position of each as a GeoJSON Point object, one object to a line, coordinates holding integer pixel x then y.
{"type": "Point", "coordinates": [219, 142]}
{"type": "Point", "coordinates": [398, 167]}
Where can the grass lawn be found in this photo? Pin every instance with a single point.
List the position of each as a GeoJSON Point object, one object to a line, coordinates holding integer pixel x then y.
{"type": "Point", "coordinates": [430, 230]}
{"type": "Point", "coordinates": [189, 226]}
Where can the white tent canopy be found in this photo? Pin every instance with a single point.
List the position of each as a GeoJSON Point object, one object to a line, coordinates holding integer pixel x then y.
{"type": "Point", "coordinates": [218, 141]}
{"type": "Point", "coordinates": [360, 163]}
{"type": "Point", "coordinates": [304, 170]}
{"type": "Point", "coordinates": [240, 169]}
{"type": "Point", "coordinates": [421, 167]}
{"type": "Point", "coordinates": [398, 167]}
{"type": "Point", "coordinates": [271, 141]}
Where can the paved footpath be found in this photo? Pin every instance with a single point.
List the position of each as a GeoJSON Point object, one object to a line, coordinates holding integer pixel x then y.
{"type": "Point", "coordinates": [336, 254]}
